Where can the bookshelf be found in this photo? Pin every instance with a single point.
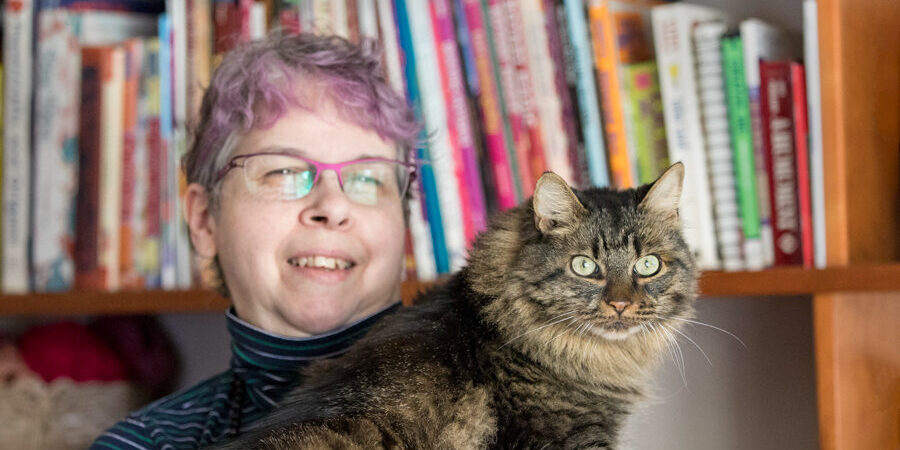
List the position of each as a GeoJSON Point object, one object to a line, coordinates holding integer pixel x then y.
{"type": "Point", "coordinates": [791, 281]}
{"type": "Point", "coordinates": [856, 301]}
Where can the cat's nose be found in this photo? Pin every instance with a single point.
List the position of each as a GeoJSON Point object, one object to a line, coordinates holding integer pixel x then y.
{"type": "Point", "coordinates": [619, 305]}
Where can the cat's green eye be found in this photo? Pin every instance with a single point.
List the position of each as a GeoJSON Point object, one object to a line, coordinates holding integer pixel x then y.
{"type": "Point", "coordinates": [584, 266]}
{"type": "Point", "coordinates": [648, 266]}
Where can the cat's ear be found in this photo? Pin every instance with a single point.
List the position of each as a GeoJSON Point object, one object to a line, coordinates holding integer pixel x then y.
{"type": "Point", "coordinates": [555, 205]}
{"type": "Point", "coordinates": [665, 193]}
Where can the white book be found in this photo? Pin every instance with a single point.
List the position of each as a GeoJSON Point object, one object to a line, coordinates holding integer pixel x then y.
{"type": "Point", "coordinates": [763, 41]}
{"type": "Point", "coordinates": [110, 27]}
{"type": "Point", "coordinates": [423, 251]}
{"type": "Point", "coordinates": [435, 115]}
{"type": "Point", "coordinates": [257, 20]}
{"type": "Point", "coordinates": [56, 111]}
{"type": "Point", "coordinates": [339, 19]}
{"type": "Point", "coordinates": [672, 27]}
{"type": "Point", "coordinates": [543, 85]}
{"type": "Point", "coordinates": [367, 18]}
{"type": "Point", "coordinates": [111, 141]}
{"type": "Point", "coordinates": [714, 111]}
{"type": "Point", "coordinates": [17, 61]}
{"type": "Point", "coordinates": [814, 102]}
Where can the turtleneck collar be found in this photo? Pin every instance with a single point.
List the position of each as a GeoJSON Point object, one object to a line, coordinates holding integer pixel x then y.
{"type": "Point", "coordinates": [254, 348]}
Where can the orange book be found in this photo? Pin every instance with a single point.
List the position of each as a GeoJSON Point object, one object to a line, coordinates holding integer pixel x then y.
{"type": "Point", "coordinates": [620, 35]}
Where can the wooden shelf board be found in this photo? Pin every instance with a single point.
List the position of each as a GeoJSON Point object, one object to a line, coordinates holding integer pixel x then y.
{"type": "Point", "coordinates": [773, 282]}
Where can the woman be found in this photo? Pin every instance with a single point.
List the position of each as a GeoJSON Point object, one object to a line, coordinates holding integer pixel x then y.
{"type": "Point", "coordinates": [297, 178]}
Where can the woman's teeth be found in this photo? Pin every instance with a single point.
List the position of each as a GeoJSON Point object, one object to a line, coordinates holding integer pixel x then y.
{"type": "Point", "coordinates": [320, 262]}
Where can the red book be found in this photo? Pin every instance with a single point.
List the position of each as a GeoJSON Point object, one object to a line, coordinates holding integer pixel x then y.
{"type": "Point", "coordinates": [801, 140]}
{"type": "Point", "coordinates": [776, 103]}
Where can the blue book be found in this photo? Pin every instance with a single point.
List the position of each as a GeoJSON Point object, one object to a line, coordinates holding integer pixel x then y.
{"type": "Point", "coordinates": [588, 104]}
{"type": "Point", "coordinates": [168, 227]}
{"type": "Point", "coordinates": [426, 180]}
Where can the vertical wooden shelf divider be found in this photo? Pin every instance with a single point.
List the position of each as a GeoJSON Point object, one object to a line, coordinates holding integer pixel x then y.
{"type": "Point", "coordinates": [856, 334]}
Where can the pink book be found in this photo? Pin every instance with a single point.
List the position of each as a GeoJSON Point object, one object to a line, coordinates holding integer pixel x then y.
{"type": "Point", "coordinates": [801, 134]}
{"type": "Point", "coordinates": [489, 102]}
{"type": "Point", "coordinates": [459, 124]}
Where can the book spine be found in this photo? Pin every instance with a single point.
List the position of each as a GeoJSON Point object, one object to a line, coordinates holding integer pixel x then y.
{"type": "Point", "coordinates": [111, 138]}
{"type": "Point", "coordinates": [500, 36]}
{"type": "Point", "coordinates": [352, 9]}
{"type": "Point", "coordinates": [459, 123]}
{"type": "Point", "coordinates": [588, 104]}
{"type": "Point", "coordinates": [646, 115]}
{"type": "Point", "coordinates": [17, 61]}
{"type": "Point", "coordinates": [150, 115]}
{"type": "Point", "coordinates": [497, 141]}
{"type": "Point", "coordinates": [168, 211]}
{"type": "Point", "coordinates": [603, 39]}
{"type": "Point", "coordinates": [714, 112]}
{"type": "Point", "coordinates": [742, 149]}
{"type": "Point", "coordinates": [814, 106]}
{"type": "Point", "coordinates": [525, 92]}
{"type": "Point", "coordinates": [778, 135]}
{"type": "Point", "coordinates": [427, 180]}
{"type": "Point", "coordinates": [367, 18]}
{"type": "Point", "coordinates": [801, 136]}
{"type": "Point", "coordinates": [435, 115]}
{"type": "Point", "coordinates": [88, 273]}
{"type": "Point", "coordinates": [567, 84]}
{"type": "Point", "coordinates": [56, 104]}
{"type": "Point", "coordinates": [672, 25]}
{"type": "Point", "coordinates": [132, 194]}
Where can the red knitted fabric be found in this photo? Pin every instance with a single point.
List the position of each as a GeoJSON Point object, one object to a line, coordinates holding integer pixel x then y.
{"type": "Point", "coordinates": [69, 349]}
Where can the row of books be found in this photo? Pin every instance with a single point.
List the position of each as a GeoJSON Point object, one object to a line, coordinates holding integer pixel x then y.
{"type": "Point", "coordinates": [609, 93]}
{"type": "Point", "coordinates": [602, 92]}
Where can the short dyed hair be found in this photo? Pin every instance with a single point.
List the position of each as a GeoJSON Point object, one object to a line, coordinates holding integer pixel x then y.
{"type": "Point", "coordinates": [257, 82]}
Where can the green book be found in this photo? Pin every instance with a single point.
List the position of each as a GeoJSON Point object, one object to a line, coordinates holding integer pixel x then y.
{"type": "Point", "coordinates": [644, 110]}
{"type": "Point", "coordinates": [741, 132]}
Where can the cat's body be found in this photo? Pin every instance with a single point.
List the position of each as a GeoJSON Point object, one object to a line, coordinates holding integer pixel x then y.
{"type": "Point", "coordinates": [526, 347]}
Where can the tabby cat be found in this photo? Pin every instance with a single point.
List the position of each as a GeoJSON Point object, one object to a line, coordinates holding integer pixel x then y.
{"type": "Point", "coordinates": [544, 340]}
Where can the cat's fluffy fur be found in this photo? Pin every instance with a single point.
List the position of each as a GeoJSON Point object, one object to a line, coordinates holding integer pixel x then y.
{"type": "Point", "coordinates": [516, 350]}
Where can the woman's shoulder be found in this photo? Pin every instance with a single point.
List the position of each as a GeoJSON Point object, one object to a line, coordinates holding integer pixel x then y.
{"type": "Point", "coordinates": [180, 418]}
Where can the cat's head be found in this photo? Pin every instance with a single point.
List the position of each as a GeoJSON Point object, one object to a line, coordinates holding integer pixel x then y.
{"type": "Point", "coordinates": [601, 264]}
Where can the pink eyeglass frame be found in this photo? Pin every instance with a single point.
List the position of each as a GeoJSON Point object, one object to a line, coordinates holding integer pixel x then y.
{"type": "Point", "coordinates": [321, 167]}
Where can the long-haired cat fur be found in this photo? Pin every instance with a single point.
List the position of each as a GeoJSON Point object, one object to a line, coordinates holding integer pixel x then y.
{"type": "Point", "coordinates": [544, 340]}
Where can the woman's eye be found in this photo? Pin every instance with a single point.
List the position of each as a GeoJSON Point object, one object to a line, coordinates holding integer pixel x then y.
{"type": "Point", "coordinates": [584, 266]}
{"type": "Point", "coordinates": [648, 266]}
{"type": "Point", "coordinates": [282, 171]}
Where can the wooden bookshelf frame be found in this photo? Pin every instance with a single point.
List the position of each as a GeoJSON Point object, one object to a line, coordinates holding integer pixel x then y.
{"type": "Point", "coordinates": [791, 281]}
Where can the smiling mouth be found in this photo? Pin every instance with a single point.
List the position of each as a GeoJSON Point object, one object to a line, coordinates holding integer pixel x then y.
{"type": "Point", "coordinates": [321, 262]}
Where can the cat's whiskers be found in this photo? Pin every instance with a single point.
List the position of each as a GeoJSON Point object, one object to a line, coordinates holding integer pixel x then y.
{"type": "Point", "coordinates": [672, 346]}
{"type": "Point", "coordinates": [692, 342]}
{"type": "Point", "coordinates": [697, 322]}
{"type": "Point", "coordinates": [564, 330]}
{"type": "Point", "coordinates": [543, 326]}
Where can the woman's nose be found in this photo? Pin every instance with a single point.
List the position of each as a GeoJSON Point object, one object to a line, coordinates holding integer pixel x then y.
{"type": "Point", "coordinates": [327, 205]}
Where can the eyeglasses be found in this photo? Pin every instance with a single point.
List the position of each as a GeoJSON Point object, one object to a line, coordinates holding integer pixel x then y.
{"type": "Point", "coordinates": [284, 176]}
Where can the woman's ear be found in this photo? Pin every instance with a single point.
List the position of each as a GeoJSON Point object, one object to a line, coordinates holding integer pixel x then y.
{"type": "Point", "coordinates": [200, 220]}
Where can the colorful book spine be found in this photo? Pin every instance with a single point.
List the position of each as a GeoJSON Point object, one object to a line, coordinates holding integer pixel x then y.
{"type": "Point", "coordinates": [17, 61]}
{"type": "Point", "coordinates": [525, 91]}
{"type": "Point", "coordinates": [801, 136]}
{"type": "Point", "coordinates": [133, 186]}
{"type": "Point", "coordinates": [458, 121]}
{"type": "Point", "coordinates": [604, 42]}
{"type": "Point", "coordinates": [169, 187]}
{"type": "Point", "coordinates": [435, 114]}
{"type": "Point", "coordinates": [562, 63]}
{"type": "Point", "coordinates": [672, 26]}
{"type": "Point", "coordinates": [543, 76]}
{"type": "Point", "coordinates": [645, 113]}
{"type": "Point", "coordinates": [148, 257]}
{"type": "Point", "coordinates": [742, 149]}
{"type": "Point", "coordinates": [761, 40]}
{"type": "Point", "coordinates": [56, 104]}
{"type": "Point", "coordinates": [112, 88]}
{"type": "Point", "coordinates": [714, 112]}
{"type": "Point", "coordinates": [427, 182]}
{"type": "Point", "coordinates": [497, 140]}
{"type": "Point", "coordinates": [778, 136]}
{"type": "Point", "coordinates": [814, 106]}
{"type": "Point", "coordinates": [501, 38]}
{"type": "Point", "coordinates": [588, 101]}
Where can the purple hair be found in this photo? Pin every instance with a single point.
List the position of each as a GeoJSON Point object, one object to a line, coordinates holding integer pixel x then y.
{"type": "Point", "coordinates": [256, 83]}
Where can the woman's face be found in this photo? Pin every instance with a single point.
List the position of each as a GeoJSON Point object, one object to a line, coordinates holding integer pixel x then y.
{"type": "Point", "coordinates": [260, 242]}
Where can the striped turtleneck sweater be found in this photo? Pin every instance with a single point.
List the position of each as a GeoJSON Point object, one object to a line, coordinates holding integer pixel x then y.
{"type": "Point", "coordinates": [264, 367]}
